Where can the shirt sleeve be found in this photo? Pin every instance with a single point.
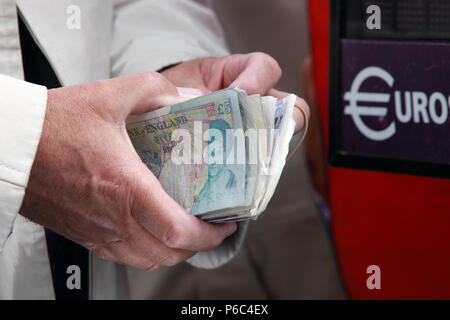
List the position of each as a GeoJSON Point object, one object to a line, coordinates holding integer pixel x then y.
{"type": "Point", "coordinates": [22, 112]}
{"type": "Point", "coordinates": [149, 35]}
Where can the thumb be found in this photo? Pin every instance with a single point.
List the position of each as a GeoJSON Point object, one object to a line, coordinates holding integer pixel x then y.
{"type": "Point", "coordinates": [254, 72]}
{"type": "Point", "coordinates": [141, 93]}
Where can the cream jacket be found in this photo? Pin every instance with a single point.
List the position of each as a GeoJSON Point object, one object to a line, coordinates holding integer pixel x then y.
{"type": "Point", "coordinates": [84, 40]}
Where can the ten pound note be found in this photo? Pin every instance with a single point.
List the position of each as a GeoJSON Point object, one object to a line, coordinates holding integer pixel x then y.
{"type": "Point", "coordinates": [219, 156]}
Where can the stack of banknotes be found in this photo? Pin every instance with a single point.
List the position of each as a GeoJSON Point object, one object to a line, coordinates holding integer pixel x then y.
{"type": "Point", "coordinates": [220, 156]}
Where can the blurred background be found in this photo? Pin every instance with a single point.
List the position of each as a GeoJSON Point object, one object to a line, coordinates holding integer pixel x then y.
{"type": "Point", "coordinates": [288, 252]}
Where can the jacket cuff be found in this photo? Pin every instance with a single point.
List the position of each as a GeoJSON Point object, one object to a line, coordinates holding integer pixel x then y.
{"type": "Point", "coordinates": [22, 113]}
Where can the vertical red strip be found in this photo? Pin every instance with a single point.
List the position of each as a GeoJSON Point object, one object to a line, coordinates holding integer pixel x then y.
{"type": "Point", "coordinates": [400, 223]}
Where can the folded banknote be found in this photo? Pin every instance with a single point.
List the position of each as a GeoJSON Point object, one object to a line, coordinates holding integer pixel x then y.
{"type": "Point", "coordinates": [220, 156]}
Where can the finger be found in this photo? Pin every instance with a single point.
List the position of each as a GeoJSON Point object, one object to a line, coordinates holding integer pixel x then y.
{"type": "Point", "coordinates": [160, 215]}
{"type": "Point", "coordinates": [150, 248]}
{"type": "Point", "coordinates": [255, 72]}
{"type": "Point", "coordinates": [119, 252]}
{"type": "Point", "coordinates": [134, 94]}
{"type": "Point", "coordinates": [142, 251]}
{"type": "Point", "coordinates": [191, 93]}
{"type": "Point", "coordinates": [188, 75]}
{"type": "Point", "coordinates": [298, 115]}
{"type": "Point", "coordinates": [122, 253]}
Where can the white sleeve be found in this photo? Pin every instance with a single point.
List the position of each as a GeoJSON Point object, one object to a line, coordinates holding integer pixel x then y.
{"type": "Point", "coordinates": [22, 112]}
{"type": "Point", "coordinates": [149, 35]}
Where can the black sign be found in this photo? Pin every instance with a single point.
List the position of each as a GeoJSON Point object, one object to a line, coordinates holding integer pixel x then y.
{"type": "Point", "coordinates": [389, 99]}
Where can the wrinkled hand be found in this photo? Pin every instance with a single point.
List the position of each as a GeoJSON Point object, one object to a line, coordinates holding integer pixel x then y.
{"type": "Point", "coordinates": [88, 184]}
{"type": "Point", "coordinates": [254, 72]}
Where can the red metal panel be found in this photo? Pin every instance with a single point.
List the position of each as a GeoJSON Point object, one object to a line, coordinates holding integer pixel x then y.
{"type": "Point", "coordinates": [398, 222]}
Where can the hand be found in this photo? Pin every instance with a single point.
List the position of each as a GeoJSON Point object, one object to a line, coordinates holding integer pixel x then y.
{"type": "Point", "coordinates": [88, 184]}
{"type": "Point", "coordinates": [254, 72]}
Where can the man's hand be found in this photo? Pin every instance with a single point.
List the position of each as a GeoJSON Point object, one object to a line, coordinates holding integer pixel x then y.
{"type": "Point", "coordinates": [254, 72]}
{"type": "Point", "coordinates": [88, 184]}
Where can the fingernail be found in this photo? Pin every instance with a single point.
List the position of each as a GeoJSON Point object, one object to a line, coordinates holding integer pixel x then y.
{"type": "Point", "coordinates": [189, 92]}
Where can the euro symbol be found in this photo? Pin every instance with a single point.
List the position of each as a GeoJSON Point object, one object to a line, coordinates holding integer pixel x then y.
{"type": "Point", "coordinates": [354, 96]}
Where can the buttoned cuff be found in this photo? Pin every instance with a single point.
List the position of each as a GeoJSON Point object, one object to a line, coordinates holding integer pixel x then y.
{"type": "Point", "coordinates": [22, 113]}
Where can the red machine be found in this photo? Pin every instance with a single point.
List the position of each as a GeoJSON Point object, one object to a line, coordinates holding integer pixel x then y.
{"type": "Point", "coordinates": [398, 222]}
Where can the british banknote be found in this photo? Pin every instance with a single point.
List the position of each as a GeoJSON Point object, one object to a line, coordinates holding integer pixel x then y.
{"type": "Point", "coordinates": [200, 185]}
{"type": "Point", "coordinates": [279, 115]}
{"type": "Point", "coordinates": [220, 156]}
